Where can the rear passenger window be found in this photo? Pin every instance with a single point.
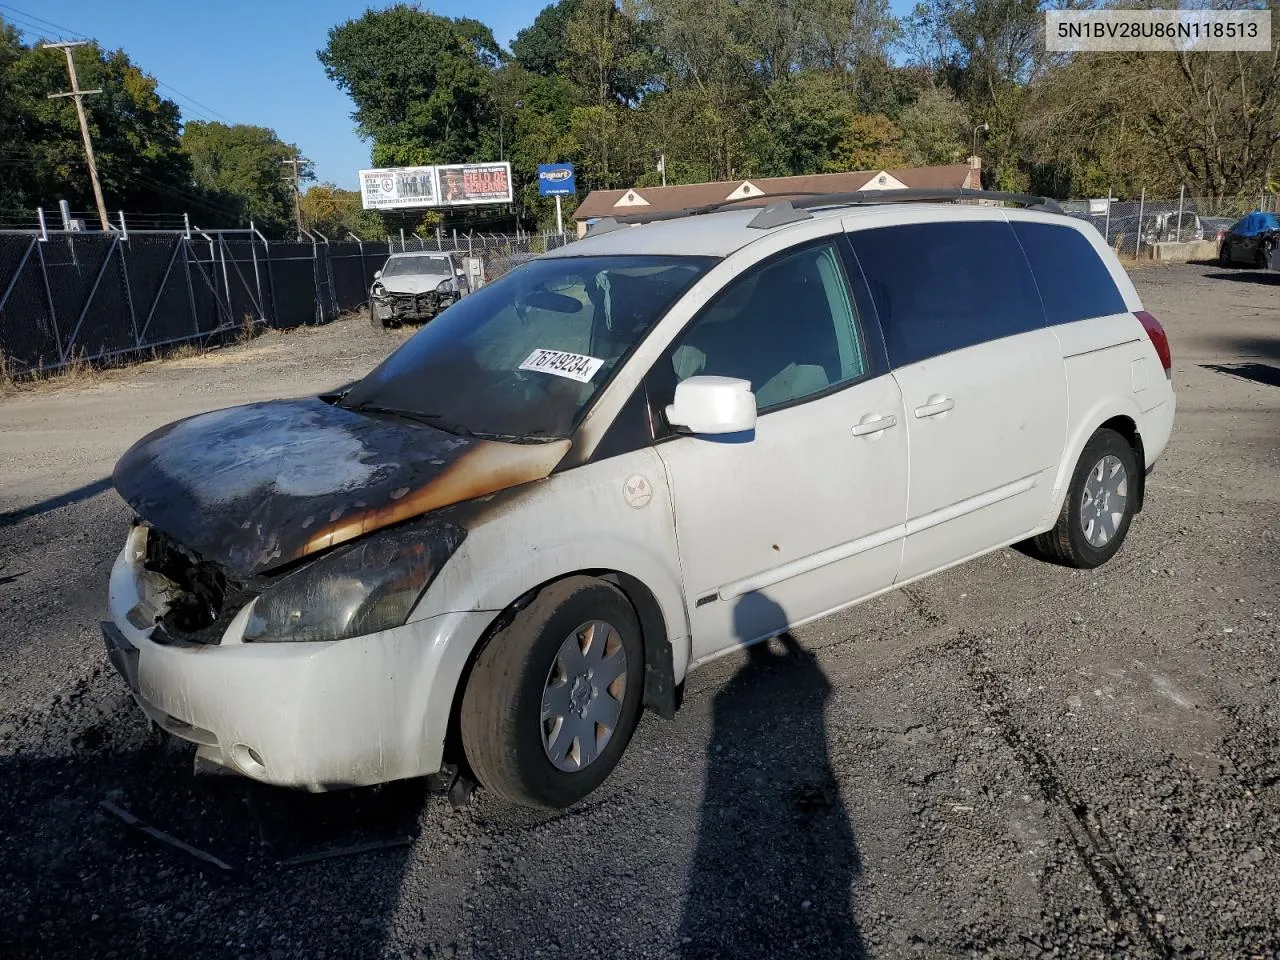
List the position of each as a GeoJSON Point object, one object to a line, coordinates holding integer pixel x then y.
{"type": "Point", "coordinates": [939, 287]}
{"type": "Point", "coordinates": [1074, 283]}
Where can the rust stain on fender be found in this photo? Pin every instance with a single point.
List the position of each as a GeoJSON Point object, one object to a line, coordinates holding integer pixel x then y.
{"type": "Point", "coordinates": [486, 468]}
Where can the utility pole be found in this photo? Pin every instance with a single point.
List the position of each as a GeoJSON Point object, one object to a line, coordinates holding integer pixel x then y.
{"type": "Point", "coordinates": [79, 96]}
{"type": "Point", "coordinates": [295, 179]}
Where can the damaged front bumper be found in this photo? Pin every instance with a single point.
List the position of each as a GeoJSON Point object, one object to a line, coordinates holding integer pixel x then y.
{"type": "Point", "coordinates": [316, 716]}
{"type": "Point", "coordinates": [411, 308]}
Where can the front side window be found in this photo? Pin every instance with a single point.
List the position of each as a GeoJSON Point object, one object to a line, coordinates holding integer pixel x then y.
{"type": "Point", "coordinates": [789, 326]}
{"type": "Point", "coordinates": [523, 357]}
{"type": "Point", "coordinates": [940, 287]}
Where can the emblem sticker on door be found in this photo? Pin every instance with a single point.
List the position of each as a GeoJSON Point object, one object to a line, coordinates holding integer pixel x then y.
{"type": "Point", "coordinates": [558, 363]}
{"type": "Point", "coordinates": [638, 491]}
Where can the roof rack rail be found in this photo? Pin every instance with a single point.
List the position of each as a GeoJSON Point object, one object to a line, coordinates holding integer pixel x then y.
{"type": "Point", "coordinates": [801, 200]}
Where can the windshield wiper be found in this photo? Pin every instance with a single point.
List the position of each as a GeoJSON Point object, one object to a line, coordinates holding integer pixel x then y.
{"type": "Point", "coordinates": [429, 419]}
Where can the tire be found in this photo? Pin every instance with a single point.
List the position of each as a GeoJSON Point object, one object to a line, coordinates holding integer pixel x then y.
{"type": "Point", "coordinates": [374, 321]}
{"type": "Point", "coordinates": [1261, 261]}
{"type": "Point", "coordinates": [1224, 258]}
{"type": "Point", "coordinates": [507, 740]}
{"type": "Point", "coordinates": [1074, 539]}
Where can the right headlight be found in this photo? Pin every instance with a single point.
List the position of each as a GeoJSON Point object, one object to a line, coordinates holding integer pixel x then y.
{"type": "Point", "coordinates": [379, 290]}
{"type": "Point", "coordinates": [366, 587]}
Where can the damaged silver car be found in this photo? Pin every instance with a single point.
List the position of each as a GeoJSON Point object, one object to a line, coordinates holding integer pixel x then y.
{"type": "Point", "coordinates": [415, 287]}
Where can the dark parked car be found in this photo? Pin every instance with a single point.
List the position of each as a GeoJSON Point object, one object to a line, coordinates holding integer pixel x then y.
{"type": "Point", "coordinates": [1251, 240]}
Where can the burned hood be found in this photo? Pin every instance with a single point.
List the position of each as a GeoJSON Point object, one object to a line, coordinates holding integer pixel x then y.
{"type": "Point", "coordinates": [258, 486]}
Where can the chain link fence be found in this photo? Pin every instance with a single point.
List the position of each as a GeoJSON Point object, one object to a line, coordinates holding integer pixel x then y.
{"type": "Point", "coordinates": [73, 296]}
{"type": "Point", "coordinates": [1134, 226]}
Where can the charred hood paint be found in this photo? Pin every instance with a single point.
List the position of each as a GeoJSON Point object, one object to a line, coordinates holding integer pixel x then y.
{"type": "Point", "coordinates": [258, 486]}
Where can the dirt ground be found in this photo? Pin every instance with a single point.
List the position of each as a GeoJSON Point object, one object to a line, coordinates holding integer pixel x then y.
{"type": "Point", "coordinates": [1007, 760]}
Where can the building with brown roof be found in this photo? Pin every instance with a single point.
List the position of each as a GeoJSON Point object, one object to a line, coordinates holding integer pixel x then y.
{"type": "Point", "coordinates": [637, 202]}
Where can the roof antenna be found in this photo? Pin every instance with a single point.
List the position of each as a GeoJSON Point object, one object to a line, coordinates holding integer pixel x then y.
{"type": "Point", "coordinates": [778, 213]}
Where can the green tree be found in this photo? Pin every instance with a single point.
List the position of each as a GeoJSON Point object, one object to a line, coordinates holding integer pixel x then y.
{"type": "Point", "coordinates": [241, 167]}
{"type": "Point", "coordinates": [420, 83]}
{"type": "Point", "coordinates": [934, 128]}
{"type": "Point", "coordinates": [335, 213]}
{"type": "Point", "coordinates": [870, 141]}
{"type": "Point", "coordinates": [540, 47]}
{"type": "Point", "coordinates": [135, 132]}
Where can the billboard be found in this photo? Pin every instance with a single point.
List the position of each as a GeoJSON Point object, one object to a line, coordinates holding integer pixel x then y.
{"type": "Point", "coordinates": [460, 184]}
{"type": "Point", "coordinates": [464, 184]}
{"type": "Point", "coordinates": [556, 180]}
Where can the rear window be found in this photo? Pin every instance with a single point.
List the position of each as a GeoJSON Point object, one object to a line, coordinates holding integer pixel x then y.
{"type": "Point", "coordinates": [939, 287]}
{"type": "Point", "coordinates": [417, 264]}
{"type": "Point", "coordinates": [1074, 282]}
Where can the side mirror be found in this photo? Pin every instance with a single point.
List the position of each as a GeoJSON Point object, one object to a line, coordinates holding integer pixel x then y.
{"type": "Point", "coordinates": [377, 274]}
{"type": "Point", "coordinates": [713, 405]}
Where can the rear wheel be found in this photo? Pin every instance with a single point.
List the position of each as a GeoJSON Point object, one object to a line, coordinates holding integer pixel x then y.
{"type": "Point", "coordinates": [1263, 256]}
{"type": "Point", "coordinates": [554, 696]}
{"type": "Point", "coordinates": [1099, 506]}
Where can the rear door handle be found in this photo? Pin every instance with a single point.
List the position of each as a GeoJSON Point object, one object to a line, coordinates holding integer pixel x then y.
{"type": "Point", "coordinates": [866, 427]}
{"type": "Point", "coordinates": [937, 405]}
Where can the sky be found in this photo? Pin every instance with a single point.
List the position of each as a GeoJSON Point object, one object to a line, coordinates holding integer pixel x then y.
{"type": "Point", "coordinates": [247, 62]}
{"type": "Point", "coordinates": [239, 61]}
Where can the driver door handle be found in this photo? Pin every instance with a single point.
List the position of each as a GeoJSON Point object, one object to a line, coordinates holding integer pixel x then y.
{"type": "Point", "coordinates": [875, 425]}
{"type": "Point", "coordinates": [936, 405]}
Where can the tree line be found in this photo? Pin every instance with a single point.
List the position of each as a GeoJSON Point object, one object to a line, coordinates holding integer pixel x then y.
{"type": "Point", "coordinates": [149, 160]}
{"type": "Point", "coordinates": [738, 88]}
{"type": "Point", "coordinates": [718, 89]}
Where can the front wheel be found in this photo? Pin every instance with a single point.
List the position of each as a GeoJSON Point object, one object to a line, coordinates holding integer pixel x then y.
{"type": "Point", "coordinates": [554, 696]}
{"type": "Point", "coordinates": [1099, 506]}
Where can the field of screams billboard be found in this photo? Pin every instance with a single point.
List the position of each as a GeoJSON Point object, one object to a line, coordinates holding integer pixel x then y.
{"type": "Point", "coordinates": [452, 185]}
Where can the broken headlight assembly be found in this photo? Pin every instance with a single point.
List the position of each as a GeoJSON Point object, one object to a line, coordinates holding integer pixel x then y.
{"type": "Point", "coordinates": [379, 290]}
{"type": "Point", "coordinates": [445, 286]}
{"type": "Point", "coordinates": [366, 587]}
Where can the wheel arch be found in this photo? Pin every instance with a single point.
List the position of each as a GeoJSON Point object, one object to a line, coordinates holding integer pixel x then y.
{"type": "Point", "coordinates": [1127, 427]}
{"type": "Point", "coordinates": [1114, 415]}
{"type": "Point", "coordinates": [661, 692]}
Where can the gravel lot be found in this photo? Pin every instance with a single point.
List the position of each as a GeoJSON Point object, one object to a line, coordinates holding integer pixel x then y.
{"type": "Point", "coordinates": [1008, 760]}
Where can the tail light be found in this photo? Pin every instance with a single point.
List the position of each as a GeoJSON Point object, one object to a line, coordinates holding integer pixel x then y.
{"type": "Point", "coordinates": [1159, 340]}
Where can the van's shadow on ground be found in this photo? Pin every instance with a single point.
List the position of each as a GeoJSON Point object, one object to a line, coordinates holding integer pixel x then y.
{"type": "Point", "coordinates": [776, 859]}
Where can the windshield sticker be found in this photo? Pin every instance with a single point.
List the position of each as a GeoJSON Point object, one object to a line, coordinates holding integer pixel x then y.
{"type": "Point", "coordinates": [575, 366]}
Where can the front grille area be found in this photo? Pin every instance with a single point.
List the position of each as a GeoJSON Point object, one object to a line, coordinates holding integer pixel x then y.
{"type": "Point", "coordinates": [206, 600]}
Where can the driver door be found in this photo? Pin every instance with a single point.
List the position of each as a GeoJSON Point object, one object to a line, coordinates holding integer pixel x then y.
{"type": "Point", "coordinates": [806, 514]}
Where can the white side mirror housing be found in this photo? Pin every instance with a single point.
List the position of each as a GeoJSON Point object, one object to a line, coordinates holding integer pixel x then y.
{"type": "Point", "coordinates": [713, 405]}
{"type": "Point", "coordinates": [377, 274]}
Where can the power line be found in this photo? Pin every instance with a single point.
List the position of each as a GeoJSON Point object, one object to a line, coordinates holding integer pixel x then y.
{"type": "Point", "coordinates": [208, 111]}
{"type": "Point", "coordinates": [191, 99]}
{"type": "Point", "coordinates": [47, 23]}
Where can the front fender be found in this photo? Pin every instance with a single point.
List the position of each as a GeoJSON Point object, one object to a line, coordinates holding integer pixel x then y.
{"type": "Point", "coordinates": [614, 516]}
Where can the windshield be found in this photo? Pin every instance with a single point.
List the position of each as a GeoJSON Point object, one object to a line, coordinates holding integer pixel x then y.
{"type": "Point", "coordinates": [524, 356]}
{"type": "Point", "coordinates": [417, 265]}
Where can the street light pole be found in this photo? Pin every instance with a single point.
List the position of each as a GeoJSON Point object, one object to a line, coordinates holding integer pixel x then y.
{"type": "Point", "coordinates": [984, 127]}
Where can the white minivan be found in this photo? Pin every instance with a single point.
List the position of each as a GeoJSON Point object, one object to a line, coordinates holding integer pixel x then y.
{"type": "Point", "coordinates": [618, 462]}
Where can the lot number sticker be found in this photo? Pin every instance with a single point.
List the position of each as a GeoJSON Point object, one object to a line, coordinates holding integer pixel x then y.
{"type": "Point", "coordinates": [575, 366]}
